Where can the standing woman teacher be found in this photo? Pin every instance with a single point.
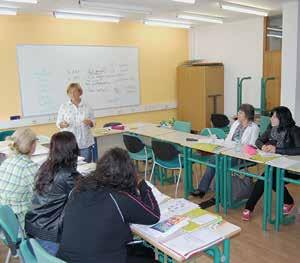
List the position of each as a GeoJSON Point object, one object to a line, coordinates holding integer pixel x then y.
{"type": "Point", "coordinates": [77, 117]}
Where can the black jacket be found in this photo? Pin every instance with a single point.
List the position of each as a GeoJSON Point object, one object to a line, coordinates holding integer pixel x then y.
{"type": "Point", "coordinates": [96, 224]}
{"type": "Point", "coordinates": [291, 141]}
{"type": "Point", "coordinates": [44, 219]}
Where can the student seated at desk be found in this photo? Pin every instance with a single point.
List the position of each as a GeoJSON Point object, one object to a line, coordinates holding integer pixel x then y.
{"type": "Point", "coordinates": [243, 129]}
{"type": "Point", "coordinates": [283, 137]}
{"type": "Point", "coordinates": [17, 173]}
{"type": "Point", "coordinates": [100, 209]}
{"type": "Point", "coordinates": [54, 181]}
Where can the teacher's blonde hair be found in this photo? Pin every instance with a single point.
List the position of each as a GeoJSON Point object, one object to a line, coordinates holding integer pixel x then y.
{"type": "Point", "coordinates": [21, 140]}
{"type": "Point", "coordinates": [74, 86]}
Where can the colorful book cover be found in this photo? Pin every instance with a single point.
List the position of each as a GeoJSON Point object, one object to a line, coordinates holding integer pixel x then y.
{"type": "Point", "coordinates": [170, 225]}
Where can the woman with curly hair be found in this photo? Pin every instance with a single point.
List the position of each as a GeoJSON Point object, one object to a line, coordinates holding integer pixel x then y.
{"type": "Point", "coordinates": [100, 209]}
{"type": "Point", "coordinates": [53, 183]}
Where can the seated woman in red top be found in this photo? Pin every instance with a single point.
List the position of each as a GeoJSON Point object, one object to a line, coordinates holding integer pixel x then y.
{"type": "Point", "coordinates": [100, 209]}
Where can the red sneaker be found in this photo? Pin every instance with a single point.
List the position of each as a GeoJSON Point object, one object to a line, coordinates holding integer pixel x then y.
{"type": "Point", "coordinates": [287, 209]}
{"type": "Point", "coordinates": [246, 215]}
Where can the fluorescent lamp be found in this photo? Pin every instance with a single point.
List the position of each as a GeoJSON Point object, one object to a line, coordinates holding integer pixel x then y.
{"type": "Point", "coordinates": [115, 7]}
{"type": "Point", "coordinates": [86, 16]}
{"type": "Point", "coordinates": [166, 23]}
{"type": "Point", "coordinates": [185, 1]}
{"type": "Point", "coordinates": [243, 9]}
{"type": "Point", "coordinates": [276, 29]}
{"type": "Point", "coordinates": [273, 35]}
{"type": "Point", "coordinates": [209, 19]}
{"type": "Point", "coordinates": [8, 11]}
{"type": "Point", "coordinates": [22, 1]}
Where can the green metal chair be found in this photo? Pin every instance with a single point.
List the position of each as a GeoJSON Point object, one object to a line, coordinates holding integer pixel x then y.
{"type": "Point", "coordinates": [10, 227]}
{"type": "Point", "coordinates": [213, 131]}
{"type": "Point", "coordinates": [42, 256]}
{"type": "Point", "coordinates": [264, 124]}
{"type": "Point", "coordinates": [182, 126]}
{"type": "Point", "coordinates": [167, 156]}
{"type": "Point", "coordinates": [26, 253]}
{"type": "Point", "coordinates": [4, 134]}
{"type": "Point", "coordinates": [137, 150]}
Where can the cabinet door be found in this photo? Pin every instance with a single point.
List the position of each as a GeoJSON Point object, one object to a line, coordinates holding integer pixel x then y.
{"type": "Point", "coordinates": [190, 94]}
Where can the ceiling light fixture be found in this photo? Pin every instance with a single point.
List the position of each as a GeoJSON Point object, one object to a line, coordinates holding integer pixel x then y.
{"type": "Point", "coordinates": [22, 1]}
{"type": "Point", "coordinates": [166, 23]}
{"type": "Point", "coordinates": [115, 7]}
{"type": "Point", "coordinates": [8, 11]}
{"type": "Point", "coordinates": [201, 18]}
{"type": "Point", "coordinates": [86, 16]}
{"type": "Point", "coordinates": [185, 1]}
{"type": "Point", "coordinates": [243, 9]}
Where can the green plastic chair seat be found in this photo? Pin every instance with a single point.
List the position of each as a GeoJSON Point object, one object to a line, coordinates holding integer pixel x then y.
{"type": "Point", "coordinates": [141, 155]}
{"type": "Point", "coordinates": [263, 124]}
{"type": "Point", "coordinates": [182, 126]}
{"type": "Point", "coordinates": [174, 164]}
{"type": "Point", "coordinates": [26, 252]}
{"type": "Point", "coordinates": [41, 254]}
{"type": "Point", "coordinates": [4, 134]}
{"type": "Point", "coordinates": [215, 131]}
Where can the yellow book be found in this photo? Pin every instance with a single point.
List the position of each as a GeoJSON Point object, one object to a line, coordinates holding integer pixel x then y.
{"type": "Point", "coordinates": [199, 218]}
{"type": "Point", "coordinates": [206, 147]}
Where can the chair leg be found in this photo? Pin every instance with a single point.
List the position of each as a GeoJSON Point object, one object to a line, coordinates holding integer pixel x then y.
{"type": "Point", "coordinates": [152, 172]}
{"type": "Point", "coordinates": [196, 174]}
{"type": "Point", "coordinates": [8, 256]}
{"type": "Point", "coordinates": [176, 191]}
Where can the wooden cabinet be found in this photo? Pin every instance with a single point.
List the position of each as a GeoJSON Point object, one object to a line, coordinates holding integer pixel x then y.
{"type": "Point", "coordinates": [200, 92]}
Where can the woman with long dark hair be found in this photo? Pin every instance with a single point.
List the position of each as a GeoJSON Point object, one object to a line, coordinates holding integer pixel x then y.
{"type": "Point", "coordinates": [283, 137]}
{"type": "Point", "coordinates": [100, 209]}
{"type": "Point", "coordinates": [53, 183]}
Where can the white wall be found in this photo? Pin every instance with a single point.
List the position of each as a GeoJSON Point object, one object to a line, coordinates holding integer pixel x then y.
{"type": "Point", "coordinates": [290, 80]}
{"type": "Point", "coordinates": [239, 45]}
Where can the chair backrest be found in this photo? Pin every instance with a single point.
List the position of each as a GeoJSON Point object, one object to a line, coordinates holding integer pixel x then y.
{"type": "Point", "coordinates": [4, 134]}
{"type": "Point", "coordinates": [183, 126]}
{"type": "Point", "coordinates": [42, 256]}
{"type": "Point", "coordinates": [26, 252]}
{"type": "Point", "coordinates": [264, 124]}
{"type": "Point", "coordinates": [215, 131]}
{"type": "Point", "coordinates": [109, 124]}
{"type": "Point", "coordinates": [219, 120]}
{"type": "Point", "coordinates": [10, 227]}
{"type": "Point", "coordinates": [132, 143]}
{"type": "Point", "coordinates": [164, 151]}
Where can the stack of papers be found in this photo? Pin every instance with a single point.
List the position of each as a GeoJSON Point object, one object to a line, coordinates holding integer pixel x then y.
{"type": "Point", "coordinates": [191, 243]}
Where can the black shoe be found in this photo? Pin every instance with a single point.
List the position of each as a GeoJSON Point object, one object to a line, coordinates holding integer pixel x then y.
{"type": "Point", "coordinates": [198, 193]}
{"type": "Point", "coordinates": [208, 203]}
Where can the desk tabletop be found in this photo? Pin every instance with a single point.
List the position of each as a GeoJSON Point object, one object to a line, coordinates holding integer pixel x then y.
{"type": "Point", "coordinates": [151, 131]}
{"type": "Point", "coordinates": [224, 229]}
{"type": "Point", "coordinates": [290, 163]}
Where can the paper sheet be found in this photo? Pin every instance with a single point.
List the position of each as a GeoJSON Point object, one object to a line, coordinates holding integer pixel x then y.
{"type": "Point", "coordinates": [283, 162]}
{"type": "Point", "coordinates": [190, 243]}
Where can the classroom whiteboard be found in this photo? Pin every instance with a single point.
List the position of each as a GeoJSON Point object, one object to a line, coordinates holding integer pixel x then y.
{"type": "Point", "coordinates": [109, 76]}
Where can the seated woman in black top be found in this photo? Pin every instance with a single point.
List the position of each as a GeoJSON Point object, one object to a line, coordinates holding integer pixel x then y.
{"type": "Point", "coordinates": [54, 181]}
{"type": "Point", "coordinates": [100, 209]}
{"type": "Point", "coordinates": [282, 137]}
